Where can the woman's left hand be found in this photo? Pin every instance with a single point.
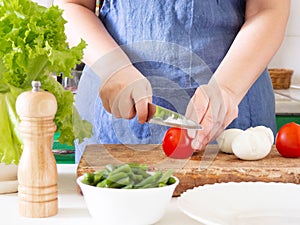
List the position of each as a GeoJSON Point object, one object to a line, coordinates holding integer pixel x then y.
{"type": "Point", "coordinates": [214, 108]}
{"type": "Point", "coordinates": [215, 105]}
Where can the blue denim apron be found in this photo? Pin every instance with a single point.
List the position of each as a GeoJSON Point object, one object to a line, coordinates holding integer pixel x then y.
{"type": "Point", "coordinates": [177, 45]}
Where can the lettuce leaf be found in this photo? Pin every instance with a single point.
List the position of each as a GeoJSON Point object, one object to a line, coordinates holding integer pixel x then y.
{"type": "Point", "coordinates": [11, 143]}
{"type": "Point", "coordinates": [33, 46]}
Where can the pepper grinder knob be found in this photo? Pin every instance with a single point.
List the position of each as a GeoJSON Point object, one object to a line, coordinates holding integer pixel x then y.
{"type": "Point", "coordinates": [36, 85]}
{"type": "Point", "coordinates": [37, 171]}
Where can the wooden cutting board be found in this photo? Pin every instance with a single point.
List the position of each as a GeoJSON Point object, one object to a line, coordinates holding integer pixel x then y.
{"type": "Point", "coordinates": [206, 167]}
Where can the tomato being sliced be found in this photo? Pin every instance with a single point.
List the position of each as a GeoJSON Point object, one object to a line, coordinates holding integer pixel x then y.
{"type": "Point", "coordinates": [177, 144]}
{"type": "Point", "coordinates": [288, 140]}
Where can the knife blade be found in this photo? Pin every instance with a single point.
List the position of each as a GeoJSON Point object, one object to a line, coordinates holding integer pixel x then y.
{"type": "Point", "coordinates": [163, 116]}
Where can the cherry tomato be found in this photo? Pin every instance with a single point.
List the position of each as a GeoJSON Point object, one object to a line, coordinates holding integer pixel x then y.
{"type": "Point", "coordinates": [288, 140]}
{"type": "Point", "coordinates": [177, 144]}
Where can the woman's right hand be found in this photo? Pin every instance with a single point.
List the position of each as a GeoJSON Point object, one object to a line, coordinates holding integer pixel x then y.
{"type": "Point", "coordinates": [124, 93]}
{"type": "Point", "coordinates": [127, 94]}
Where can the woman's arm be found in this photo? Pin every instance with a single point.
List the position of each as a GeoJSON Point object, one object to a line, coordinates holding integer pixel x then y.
{"type": "Point", "coordinates": [254, 46]}
{"type": "Point", "coordinates": [124, 91]}
{"type": "Point", "coordinates": [82, 23]}
{"type": "Point", "coordinates": [215, 105]}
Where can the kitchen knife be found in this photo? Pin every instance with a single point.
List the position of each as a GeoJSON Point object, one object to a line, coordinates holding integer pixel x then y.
{"type": "Point", "coordinates": [162, 116]}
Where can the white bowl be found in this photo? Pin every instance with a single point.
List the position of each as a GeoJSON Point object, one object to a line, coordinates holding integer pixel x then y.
{"type": "Point", "coordinates": [8, 172]}
{"type": "Point", "coordinates": [111, 206]}
{"type": "Point", "coordinates": [8, 178]}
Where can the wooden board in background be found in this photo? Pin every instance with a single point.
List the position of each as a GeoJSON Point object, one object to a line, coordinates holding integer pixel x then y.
{"type": "Point", "coordinates": [215, 167]}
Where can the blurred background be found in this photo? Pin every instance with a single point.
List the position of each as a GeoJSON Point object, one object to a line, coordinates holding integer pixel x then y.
{"type": "Point", "coordinates": [289, 52]}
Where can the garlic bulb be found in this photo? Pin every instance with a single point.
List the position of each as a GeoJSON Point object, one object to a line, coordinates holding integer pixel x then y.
{"type": "Point", "coordinates": [225, 139]}
{"type": "Point", "coordinates": [252, 144]}
{"type": "Point", "coordinates": [265, 130]}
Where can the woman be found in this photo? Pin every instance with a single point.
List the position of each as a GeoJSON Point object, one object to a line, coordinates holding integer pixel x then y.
{"type": "Point", "coordinates": [204, 58]}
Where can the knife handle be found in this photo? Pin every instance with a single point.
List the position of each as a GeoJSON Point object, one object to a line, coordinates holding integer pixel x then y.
{"type": "Point", "coordinates": [151, 111]}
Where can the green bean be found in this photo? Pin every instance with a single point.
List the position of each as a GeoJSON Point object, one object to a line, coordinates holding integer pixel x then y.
{"type": "Point", "coordinates": [139, 171]}
{"type": "Point", "coordinates": [129, 186]}
{"type": "Point", "coordinates": [103, 173]}
{"type": "Point", "coordinates": [164, 178]}
{"type": "Point", "coordinates": [112, 178]}
{"type": "Point", "coordinates": [123, 168]}
{"type": "Point", "coordinates": [162, 184]}
{"type": "Point", "coordinates": [109, 167]}
{"type": "Point", "coordinates": [151, 185]}
{"type": "Point", "coordinates": [138, 166]}
{"type": "Point", "coordinates": [102, 184]}
{"type": "Point", "coordinates": [88, 178]}
{"type": "Point", "coordinates": [128, 176]}
{"type": "Point", "coordinates": [137, 178]}
{"type": "Point", "coordinates": [151, 179]}
{"type": "Point", "coordinates": [171, 180]}
{"type": "Point", "coordinates": [97, 178]}
{"type": "Point", "coordinates": [120, 183]}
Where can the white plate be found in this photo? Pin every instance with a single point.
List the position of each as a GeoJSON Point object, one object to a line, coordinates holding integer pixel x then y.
{"type": "Point", "coordinates": [244, 203]}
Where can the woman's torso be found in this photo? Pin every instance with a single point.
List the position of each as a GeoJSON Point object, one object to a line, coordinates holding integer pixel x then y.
{"type": "Point", "coordinates": [177, 45]}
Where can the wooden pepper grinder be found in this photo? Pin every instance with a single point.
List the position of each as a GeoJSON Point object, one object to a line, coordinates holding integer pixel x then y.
{"type": "Point", "coordinates": [37, 171]}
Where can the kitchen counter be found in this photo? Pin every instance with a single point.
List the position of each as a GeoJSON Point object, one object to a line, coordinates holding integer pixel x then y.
{"type": "Point", "coordinates": [287, 101]}
{"type": "Point", "coordinates": [72, 208]}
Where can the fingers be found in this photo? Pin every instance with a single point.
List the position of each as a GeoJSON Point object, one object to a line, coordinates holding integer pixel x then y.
{"type": "Point", "coordinates": [141, 108]}
{"type": "Point", "coordinates": [202, 137]}
{"type": "Point", "coordinates": [196, 109]}
{"type": "Point", "coordinates": [126, 97]}
{"type": "Point", "coordinates": [197, 105]}
{"type": "Point", "coordinates": [123, 106]}
{"type": "Point", "coordinates": [206, 107]}
{"type": "Point", "coordinates": [142, 95]}
{"type": "Point", "coordinates": [109, 91]}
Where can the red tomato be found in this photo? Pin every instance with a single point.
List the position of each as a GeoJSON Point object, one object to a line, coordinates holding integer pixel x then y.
{"type": "Point", "coordinates": [288, 140]}
{"type": "Point", "coordinates": [177, 144]}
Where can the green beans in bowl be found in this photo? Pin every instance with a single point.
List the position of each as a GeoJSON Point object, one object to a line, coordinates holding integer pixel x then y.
{"type": "Point", "coordinates": [127, 194]}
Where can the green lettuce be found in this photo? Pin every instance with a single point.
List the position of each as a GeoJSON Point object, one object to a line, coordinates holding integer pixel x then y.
{"type": "Point", "coordinates": [33, 46]}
